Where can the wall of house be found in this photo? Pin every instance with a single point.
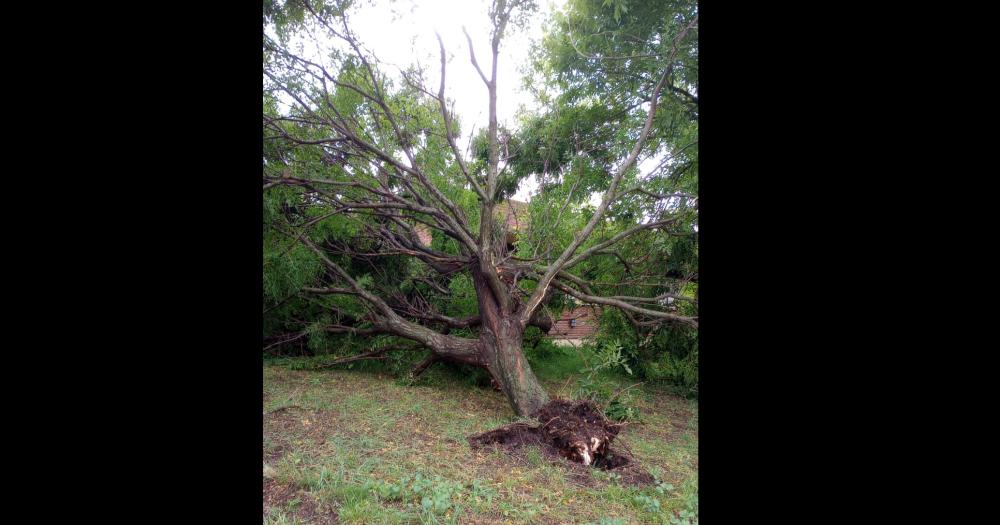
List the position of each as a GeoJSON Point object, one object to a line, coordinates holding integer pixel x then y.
{"type": "Point", "coordinates": [586, 324]}
{"type": "Point", "coordinates": [568, 342]}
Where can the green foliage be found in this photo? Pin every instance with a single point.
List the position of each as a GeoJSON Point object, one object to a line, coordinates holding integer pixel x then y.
{"type": "Point", "coordinates": [617, 402]}
{"type": "Point", "coordinates": [287, 268]}
{"type": "Point", "coordinates": [463, 301]}
{"type": "Point", "coordinates": [276, 517]}
{"type": "Point", "coordinates": [667, 356]}
{"type": "Point", "coordinates": [681, 373]}
{"type": "Point", "coordinates": [622, 408]}
{"type": "Point", "coordinates": [620, 6]}
{"type": "Point", "coordinates": [482, 492]}
{"type": "Point", "coordinates": [317, 335]}
{"type": "Point", "coordinates": [648, 503]}
{"type": "Point", "coordinates": [539, 347]}
{"type": "Point", "coordinates": [688, 515]}
{"type": "Point", "coordinates": [610, 476]}
{"type": "Point", "coordinates": [434, 494]}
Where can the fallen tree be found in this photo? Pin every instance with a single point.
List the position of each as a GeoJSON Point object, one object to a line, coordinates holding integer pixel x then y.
{"type": "Point", "coordinates": [353, 164]}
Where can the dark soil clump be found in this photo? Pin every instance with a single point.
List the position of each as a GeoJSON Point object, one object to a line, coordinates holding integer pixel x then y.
{"type": "Point", "coordinates": [515, 435]}
{"type": "Point", "coordinates": [575, 430]}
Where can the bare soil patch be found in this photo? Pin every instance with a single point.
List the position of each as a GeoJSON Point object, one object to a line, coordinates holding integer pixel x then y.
{"type": "Point", "coordinates": [288, 499]}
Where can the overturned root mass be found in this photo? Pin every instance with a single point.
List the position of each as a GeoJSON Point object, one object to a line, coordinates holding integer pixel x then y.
{"type": "Point", "coordinates": [576, 430]}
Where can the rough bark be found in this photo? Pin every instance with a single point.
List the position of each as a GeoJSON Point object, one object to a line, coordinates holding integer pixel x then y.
{"type": "Point", "coordinates": [500, 341]}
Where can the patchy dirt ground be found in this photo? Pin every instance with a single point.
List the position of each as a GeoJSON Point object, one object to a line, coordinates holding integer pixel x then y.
{"type": "Point", "coordinates": [354, 447]}
{"type": "Point", "coordinates": [295, 504]}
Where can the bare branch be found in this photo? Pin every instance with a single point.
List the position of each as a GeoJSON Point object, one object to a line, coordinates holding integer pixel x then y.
{"type": "Point", "coordinates": [593, 299]}
{"type": "Point", "coordinates": [447, 129]}
{"type": "Point", "coordinates": [472, 55]}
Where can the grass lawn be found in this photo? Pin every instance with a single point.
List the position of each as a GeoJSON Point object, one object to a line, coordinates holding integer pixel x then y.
{"type": "Point", "coordinates": [346, 446]}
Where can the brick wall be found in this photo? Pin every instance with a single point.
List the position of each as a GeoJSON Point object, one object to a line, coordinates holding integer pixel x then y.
{"type": "Point", "coordinates": [586, 323]}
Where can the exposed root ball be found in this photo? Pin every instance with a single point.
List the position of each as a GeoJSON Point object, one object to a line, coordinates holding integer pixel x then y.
{"type": "Point", "coordinates": [576, 430]}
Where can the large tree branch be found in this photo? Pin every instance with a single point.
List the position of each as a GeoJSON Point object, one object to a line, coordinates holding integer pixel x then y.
{"type": "Point", "coordinates": [618, 303]}
{"type": "Point", "coordinates": [454, 347]}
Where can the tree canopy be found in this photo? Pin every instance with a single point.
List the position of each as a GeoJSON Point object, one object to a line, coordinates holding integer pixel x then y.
{"type": "Point", "coordinates": [359, 159]}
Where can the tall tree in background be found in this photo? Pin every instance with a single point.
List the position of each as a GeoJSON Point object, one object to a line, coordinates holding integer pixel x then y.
{"type": "Point", "coordinates": [355, 166]}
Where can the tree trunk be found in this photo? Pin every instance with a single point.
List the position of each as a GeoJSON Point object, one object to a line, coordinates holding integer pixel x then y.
{"type": "Point", "coordinates": [501, 351]}
{"type": "Point", "coordinates": [499, 345]}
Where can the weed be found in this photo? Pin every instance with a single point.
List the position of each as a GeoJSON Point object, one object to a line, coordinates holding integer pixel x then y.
{"type": "Point", "coordinates": [649, 504]}
{"type": "Point", "coordinates": [435, 494]}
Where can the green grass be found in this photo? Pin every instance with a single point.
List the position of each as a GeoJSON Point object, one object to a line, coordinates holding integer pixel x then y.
{"type": "Point", "coordinates": [359, 447]}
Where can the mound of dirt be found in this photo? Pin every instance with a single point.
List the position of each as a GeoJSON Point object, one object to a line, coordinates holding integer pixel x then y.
{"type": "Point", "coordinates": [576, 430]}
{"type": "Point", "coordinates": [512, 436]}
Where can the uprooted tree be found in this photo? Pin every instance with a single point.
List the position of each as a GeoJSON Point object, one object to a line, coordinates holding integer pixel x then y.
{"type": "Point", "coordinates": [361, 164]}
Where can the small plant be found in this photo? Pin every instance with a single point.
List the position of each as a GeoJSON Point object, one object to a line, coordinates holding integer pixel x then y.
{"type": "Point", "coordinates": [662, 487]}
{"type": "Point", "coordinates": [435, 495]}
{"type": "Point", "coordinates": [622, 409]}
{"type": "Point", "coordinates": [684, 517]}
{"type": "Point", "coordinates": [648, 503]}
{"type": "Point", "coordinates": [389, 491]}
{"type": "Point", "coordinates": [687, 515]}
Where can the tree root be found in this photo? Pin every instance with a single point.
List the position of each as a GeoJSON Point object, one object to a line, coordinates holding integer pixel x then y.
{"type": "Point", "coordinates": [575, 430]}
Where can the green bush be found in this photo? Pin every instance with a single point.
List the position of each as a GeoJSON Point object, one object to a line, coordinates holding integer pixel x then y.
{"type": "Point", "coordinates": [680, 373]}
{"type": "Point", "coordinates": [617, 402]}
{"type": "Point", "coordinates": [668, 355]}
